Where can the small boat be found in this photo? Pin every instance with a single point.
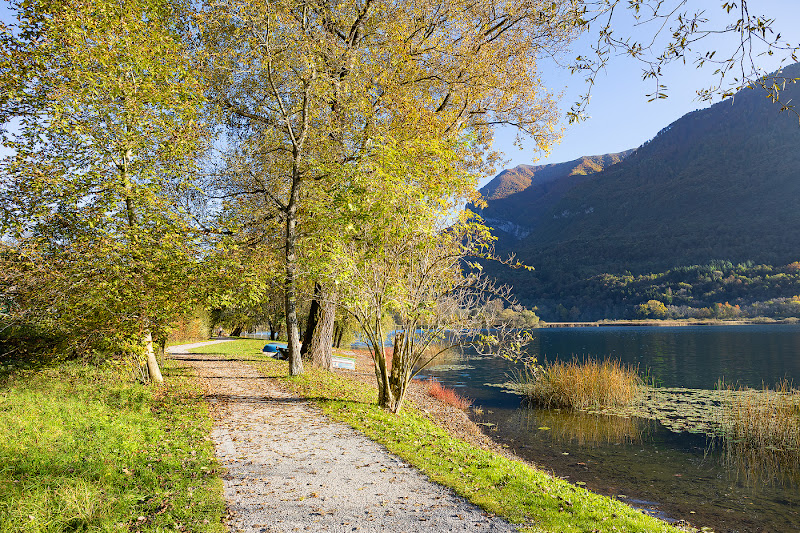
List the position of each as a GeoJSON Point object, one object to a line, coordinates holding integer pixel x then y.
{"type": "Point", "coordinates": [338, 361]}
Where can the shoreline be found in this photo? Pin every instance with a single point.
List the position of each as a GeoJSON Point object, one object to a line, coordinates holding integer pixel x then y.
{"type": "Point", "coordinates": [670, 323]}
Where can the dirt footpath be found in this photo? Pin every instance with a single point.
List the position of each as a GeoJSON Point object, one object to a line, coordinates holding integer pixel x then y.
{"type": "Point", "coordinates": [290, 468]}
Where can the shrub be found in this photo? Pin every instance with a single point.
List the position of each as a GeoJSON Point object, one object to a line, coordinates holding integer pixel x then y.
{"type": "Point", "coordinates": [446, 395]}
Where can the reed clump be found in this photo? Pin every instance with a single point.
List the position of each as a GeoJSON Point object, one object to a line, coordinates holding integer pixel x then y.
{"type": "Point", "coordinates": [446, 395]}
{"type": "Point", "coordinates": [763, 419]}
{"type": "Point", "coordinates": [581, 384]}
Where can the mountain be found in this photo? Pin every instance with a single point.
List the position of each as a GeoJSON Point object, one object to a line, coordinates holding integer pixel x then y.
{"type": "Point", "coordinates": [721, 183]}
{"type": "Point", "coordinates": [517, 198]}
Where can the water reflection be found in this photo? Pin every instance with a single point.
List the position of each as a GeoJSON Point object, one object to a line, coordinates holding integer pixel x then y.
{"type": "Point", "coordinates": [583, 429]}
{"type": "Point", "coordinates": [691, 357]}
{"type": "Point", "coordinates": [754, 468]}
{"type": "Point", "coordinates": [450, 356]}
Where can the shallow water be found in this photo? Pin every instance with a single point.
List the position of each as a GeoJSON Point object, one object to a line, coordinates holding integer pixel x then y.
{"type": "Point", "coordinates": [672, 475]}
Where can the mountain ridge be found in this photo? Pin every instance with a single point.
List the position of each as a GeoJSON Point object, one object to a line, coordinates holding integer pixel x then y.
{"type": "Point", "coordinates": [720, 183]}
{"type": "Point", "coordinates": [516, 197]}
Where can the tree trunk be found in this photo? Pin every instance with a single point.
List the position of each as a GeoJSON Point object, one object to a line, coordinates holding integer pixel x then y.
{"type": "Point", "coordinates": [338, 333]}
{"type": "Point", "coordinates": [385, 397]}
{"type": "Point", "coordinates": [293, 335]}
{"type": "Point", "coordinates": [322, 340]}
{"type": "Point", "coordinates": [398, 398]}
{"type": "Point", "coordinates": [341, 327]}
{"type": "Point", "coordinates": [400, 373]}
{"type": "Point", "coordinates": [236, 331]}
{"type": "Point", "coordinates": [152, 363]}
{"type": "Point", "coordinates": [290, 286]}
{"type": "Point", "coordinates": [311, 323]}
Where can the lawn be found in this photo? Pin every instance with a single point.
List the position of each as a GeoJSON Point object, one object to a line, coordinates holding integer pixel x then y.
{"type": "Point", "coordinates": [83, 448]}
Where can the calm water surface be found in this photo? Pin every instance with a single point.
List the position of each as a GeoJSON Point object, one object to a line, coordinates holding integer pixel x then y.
{"type": "Point", "coordinates": [672, 475]}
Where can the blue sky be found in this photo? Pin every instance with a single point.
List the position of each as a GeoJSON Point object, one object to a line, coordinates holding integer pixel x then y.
{"type": "Point", "coordinates": [620, 116]}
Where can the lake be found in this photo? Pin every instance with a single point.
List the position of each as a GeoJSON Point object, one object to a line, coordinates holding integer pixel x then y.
{"type": "Point", "coordinates": [671, 475]}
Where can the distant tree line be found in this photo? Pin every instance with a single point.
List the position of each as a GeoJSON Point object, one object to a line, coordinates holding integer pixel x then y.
{"type": "Point", "coordinates": [719, 289]}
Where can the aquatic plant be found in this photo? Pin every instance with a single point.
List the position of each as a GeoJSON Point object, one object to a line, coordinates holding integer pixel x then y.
{"type": "Point", "coordinates": [446, 395]}
{"type": "Point", "coordinates": [759, 467]}
{"type": "Point", "coordinates": [762, 419]}
{"type": "Point", "coordinates": [580, 384]}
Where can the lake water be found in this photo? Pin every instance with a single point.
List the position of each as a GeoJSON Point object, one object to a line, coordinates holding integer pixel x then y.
{"type": "Point", "coordinates": [672, 475]}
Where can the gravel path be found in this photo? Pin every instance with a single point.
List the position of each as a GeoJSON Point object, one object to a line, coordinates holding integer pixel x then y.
{"type": "Point", "coordinates": [290, 468]}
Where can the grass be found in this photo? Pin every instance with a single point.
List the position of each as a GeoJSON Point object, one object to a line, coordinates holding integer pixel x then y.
{"type": "Point", "coordinates": [763, 419]}
{"type": "Point", "coordinates": [82, 449]}
{"type": "Point", "coordinates": [447, 395]}
{"type": "Point", "coordinates": [510, 489]}
{"type": "Point", "coordinates": [581, 385]}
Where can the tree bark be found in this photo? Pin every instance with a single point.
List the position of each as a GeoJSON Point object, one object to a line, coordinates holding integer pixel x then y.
{"type": "Point", "coordinates": [322, 340]}
{"type": "Point", "coordinates": [385, 397]}
{"type": "Point", "coordinates": [290, 287]}
{"type": "Point", "coordinates": [400, 372]}
{"type": "Point", "coordinates": [152, 363]}
{"type": "Point", "coordinates": [311, 323]}
{"type": "Point", "coordinates": [338, 333]}
{"type": "Point", "coordinates": [340, 327]}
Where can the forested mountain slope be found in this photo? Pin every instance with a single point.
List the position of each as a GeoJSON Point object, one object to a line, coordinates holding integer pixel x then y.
{"type": "Point", "coordinates": [722, 183]}
{"type": "Point", "coordinates": [519, 197]}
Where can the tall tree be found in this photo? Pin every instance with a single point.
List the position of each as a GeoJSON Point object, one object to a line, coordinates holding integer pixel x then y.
{"type": "Point", "coordinates": [106, 111]}
{"type": "Point", "coordinates": [310, 87]}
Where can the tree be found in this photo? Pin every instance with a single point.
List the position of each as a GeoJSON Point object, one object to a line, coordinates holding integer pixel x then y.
{"type": "Point", "coordinates": [436, 305]}
{"type": "Point", "coordinates": [653, 308]}
{"type": "Point", "coordinates": [519, 317]}
{"type": "Point", "coordinates": [310, 88]}
{"type": "Point", "coordinates": [405, 261]}
{"type": "Point", "coordinates": [245, 289]}
{"type": "Point", "coordinates": [107, 136]}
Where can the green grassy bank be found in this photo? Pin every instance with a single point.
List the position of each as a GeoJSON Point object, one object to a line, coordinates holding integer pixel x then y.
{"type": "Point", "coordinates": [513, 490]}
{"type": "Point", "coordinates": [82, 449]}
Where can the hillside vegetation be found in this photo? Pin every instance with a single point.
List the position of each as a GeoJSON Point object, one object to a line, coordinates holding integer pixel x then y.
{"type": "Point", "coordinates": [519, 197]}
{"type": "Point", "coordinates": [719, 184]}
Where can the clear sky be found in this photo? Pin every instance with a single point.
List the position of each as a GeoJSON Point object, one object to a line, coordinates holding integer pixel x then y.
{"type": "Point", "coordinates": [620, 115]}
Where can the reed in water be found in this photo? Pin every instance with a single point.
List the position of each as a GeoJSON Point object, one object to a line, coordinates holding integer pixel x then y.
{"type": "Point", "coordinates": [581, 384]}
{"type": "Point", "coordinates": [763, 419]}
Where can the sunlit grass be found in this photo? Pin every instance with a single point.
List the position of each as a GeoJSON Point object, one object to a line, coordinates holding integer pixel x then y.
{"type": "Point", "coordinates": [529, 497]}
{"type": "Point", "coordinates": [580, 384]}
{"type": "Point", "coordinates": [84, 449]}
